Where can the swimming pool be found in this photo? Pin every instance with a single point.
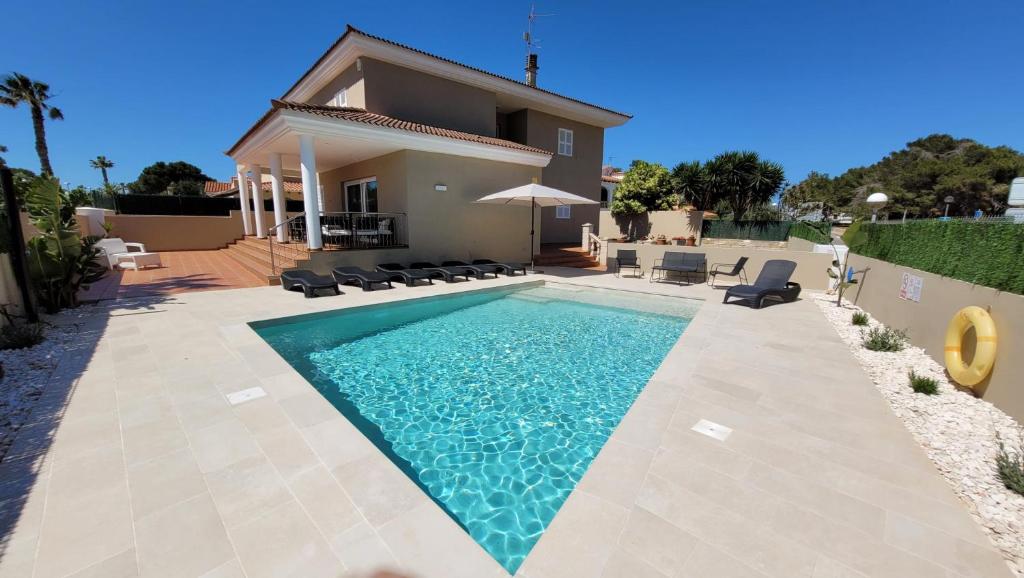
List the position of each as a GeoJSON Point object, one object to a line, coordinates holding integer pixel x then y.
{"type": "Point", "coordinates": [494, 402]}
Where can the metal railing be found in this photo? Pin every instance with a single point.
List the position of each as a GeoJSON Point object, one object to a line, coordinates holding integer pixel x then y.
{"type": "Point", "coordinates": [343, 231]}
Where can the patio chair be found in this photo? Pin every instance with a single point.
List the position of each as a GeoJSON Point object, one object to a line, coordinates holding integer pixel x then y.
{"type": "Point", "coordinates": [308, 281]}
{"type": "Point", "coordinates": [678, 262]}
{"type": "Point", "coordinates": [449, 274]}
{"type": "Point", "coordinates": [737, 270]}
{"type": "Point", "coordinates": [772, 282]}
{"type": "Point", "coordinates": [481, 271]}
{"type": "Point", "coordinates": [628, 259]}
{"type": "Point", "coordinates": [113, 248]}
{"type": "Point", "coordinates": [408, 276]}
{"type": "Point", "coordinates": [365, 279]}
{"type": "Point", "coordinates": [508, 268]}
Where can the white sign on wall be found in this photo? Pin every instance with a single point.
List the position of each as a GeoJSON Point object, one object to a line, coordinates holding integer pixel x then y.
{"type": "Point", "coordinates": [910, 287]}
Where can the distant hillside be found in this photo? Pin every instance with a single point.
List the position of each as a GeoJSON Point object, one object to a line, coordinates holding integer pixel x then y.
{"type": "Point", "coordinates": [918, 179]}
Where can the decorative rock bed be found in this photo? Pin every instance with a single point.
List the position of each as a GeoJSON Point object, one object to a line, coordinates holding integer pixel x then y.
{"type": "Point", "coordinates": [957, 430]}
{"type": "Point", "coordinates": [26, 374]}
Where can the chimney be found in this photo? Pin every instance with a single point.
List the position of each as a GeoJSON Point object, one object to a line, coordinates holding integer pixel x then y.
{"type": "Point", "coordinates": [531, 69]}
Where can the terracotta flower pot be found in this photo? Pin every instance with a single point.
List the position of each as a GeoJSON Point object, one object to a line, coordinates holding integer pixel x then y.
{"type": "Point", "coordinates": [691, 242]}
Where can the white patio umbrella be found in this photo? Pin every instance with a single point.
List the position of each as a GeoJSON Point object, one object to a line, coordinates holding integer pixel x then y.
{"type": "Point", "coordinates": [536, 196]}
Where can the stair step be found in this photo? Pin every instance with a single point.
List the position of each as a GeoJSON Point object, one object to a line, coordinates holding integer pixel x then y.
{"type": "Point", "coordinates": [287, 251]}
{"type": "Point", "coordinates": [252, 265]}
{"type": "Point", "coordinates": [263, 255]}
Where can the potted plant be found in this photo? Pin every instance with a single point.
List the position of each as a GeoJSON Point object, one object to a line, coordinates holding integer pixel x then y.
{"type": "Point", "coordinates": [661, 240]}
{"type": "Point", "coordinates": [679, 240]}
{"type": "Point", "coordinates": [691, 241]}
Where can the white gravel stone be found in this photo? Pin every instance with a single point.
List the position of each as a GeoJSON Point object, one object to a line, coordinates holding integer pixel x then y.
{"type": "Point", "coordinates": [957, 430]}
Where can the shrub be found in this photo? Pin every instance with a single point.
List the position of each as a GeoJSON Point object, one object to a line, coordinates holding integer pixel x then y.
{"type": "Point", "coordinates": [984, 253]}
{"type": "Point", "coordinates": [19, 336]}
{"type": "Point", "coordinates": [885, 339]}
{"type": "Point", "coordinates": [859, 318]}
{"type": "Point", "coordinates": [923, 384]}
{"type": "Point", "coordinates": [1010, 465]}
{"type": "Point", "coordinates": [815, 232]}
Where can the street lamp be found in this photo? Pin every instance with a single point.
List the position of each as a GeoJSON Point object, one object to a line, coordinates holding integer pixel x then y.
{"type": "Point", "coordinates": [948, 200]}
{"type": "Point", "coordinates": [875, 201]}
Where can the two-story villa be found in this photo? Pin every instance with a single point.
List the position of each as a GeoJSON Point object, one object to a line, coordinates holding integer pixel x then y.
{"type": "Point", "coordinates": [393, 145]}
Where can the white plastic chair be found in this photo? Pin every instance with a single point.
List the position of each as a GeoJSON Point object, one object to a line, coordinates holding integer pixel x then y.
{"type": "Point", "coordinates": [112, 248]}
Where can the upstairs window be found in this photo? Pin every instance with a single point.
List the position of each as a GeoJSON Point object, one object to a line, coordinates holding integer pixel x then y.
{"type": "Point", "coordinates": [340, 99]}
{"type": "Point", "coordinates": [563, 212]}
{"type": "Point", "coordinates": [565, 142]}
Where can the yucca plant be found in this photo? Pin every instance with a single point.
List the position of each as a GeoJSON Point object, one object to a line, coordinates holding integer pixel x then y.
{"type": "Point", "coordinates": [59, 261]}
{"type": "Point", "coordinates": [1010, 465]}
{"type": "Point", "coordinates": [859, 318]}
{"type": "Point", "coordinates": [885, 339]}
{"type": "Point", "coordinates": [923, 384]}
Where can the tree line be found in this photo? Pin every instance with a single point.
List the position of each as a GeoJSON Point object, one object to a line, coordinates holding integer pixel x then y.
{"type": "Point", "coordinates": [737, 183]}
{"type": "Point", "coordinates": [918, 179]}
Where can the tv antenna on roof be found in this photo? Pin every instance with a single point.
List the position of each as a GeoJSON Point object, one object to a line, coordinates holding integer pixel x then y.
{"type": "Point", "coordinates": [532, 43]}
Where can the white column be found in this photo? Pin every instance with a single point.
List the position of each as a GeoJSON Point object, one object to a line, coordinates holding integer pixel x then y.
{"type": "Point", "coordinates": [277, 188]}
{"type": "Point", "coordinates": [257, 201]}
{"type": "Point", "coordinates": [243, 198]}
{"type": "Point", "coordinates": [310, 202]}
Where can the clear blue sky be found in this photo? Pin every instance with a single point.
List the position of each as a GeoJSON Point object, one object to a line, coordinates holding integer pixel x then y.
{"type": "Point", "coordinates": [812, 84]}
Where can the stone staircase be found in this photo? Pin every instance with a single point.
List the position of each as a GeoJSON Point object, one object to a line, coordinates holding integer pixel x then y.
{"type": "Point", "coordinates": [567, 256]}
{"type": "Point", "coordinates": [254, 254]}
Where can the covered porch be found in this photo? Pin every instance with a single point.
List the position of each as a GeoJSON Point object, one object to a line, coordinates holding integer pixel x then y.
{"type": "Point", "coordinates": [367, 179]}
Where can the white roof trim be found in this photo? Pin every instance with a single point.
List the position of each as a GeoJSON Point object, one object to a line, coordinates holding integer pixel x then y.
{"type": "Point", "coordinates": [289, 121]}
{"type": "Point", "coordinates": [355, 45]}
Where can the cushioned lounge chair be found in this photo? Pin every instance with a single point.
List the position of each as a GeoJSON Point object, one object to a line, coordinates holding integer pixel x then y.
{"type": "Point", "coordinates": [365, 279]}
{"type": "Point", "coordinates": [408, 276]}
{"type": "Point", "coordinates": [678, 262]}
{"type": "Point", "coordinates": [508, 268]}
{"type": "Point", "coordinates": [772, 282]}
{"type": "Point", "coordinates": [736, 269]}
{"type": "Point", "coordinates": [308, 281]}
{"type": "Point", "coordinates": [480, 271]}
{"type": "Point", "coordinates": [629, 260]}
{"type": "Point", "coordinates": [449, 274]}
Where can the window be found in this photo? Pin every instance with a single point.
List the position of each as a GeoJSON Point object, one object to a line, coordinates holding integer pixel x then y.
{"type": "Point", "coordinates": [604, 197]}
{"type": "Point", "coordinates": [340, 99]}
{"type": "Point", "coordinates": [361, 195]}
{"type": "Point", "coordinates": [565, 142]}
{"type": "Point", "coordinates": [563, 212]}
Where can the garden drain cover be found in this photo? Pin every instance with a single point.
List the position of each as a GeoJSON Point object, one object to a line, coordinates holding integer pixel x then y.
{"type": "Point", "coordinates": [712, 429]}
{"type": "Point", "coordinates": [245, 395]}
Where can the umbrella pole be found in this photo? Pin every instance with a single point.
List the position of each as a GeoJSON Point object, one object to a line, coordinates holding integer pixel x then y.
{"type": "Point", "coordinates": [533, 205]}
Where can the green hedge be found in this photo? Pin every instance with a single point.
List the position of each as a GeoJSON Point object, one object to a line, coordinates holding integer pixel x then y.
{"type": "Point", "coordinates": [818, 232]}
{"type": "Point", "coordinates": [754, 230]}
{"type": "Point", "coordinates": [989, 254]}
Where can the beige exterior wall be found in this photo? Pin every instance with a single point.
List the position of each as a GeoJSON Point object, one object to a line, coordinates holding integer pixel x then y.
{"type": "Point", "coordinates": [811, 271]}
{"type": "Point", "coordinates": [578, 174]}
{"type": "Point", "coordinates": [414, 96]}
{"type": "Point", "coordinates": [441, 225]}
{"type": "Point", "coordinates": [390, 171]}
{"type": "Point", "coordinates": [351, 79]}
{"type": "Point", "coordinates": [178, 233]}
{"type": "Point", "coordinates": [668, 223]}
{"type": "Point", "coordinates": [925, 322]}
{"type": "Point", "coordinates": [9, 294]}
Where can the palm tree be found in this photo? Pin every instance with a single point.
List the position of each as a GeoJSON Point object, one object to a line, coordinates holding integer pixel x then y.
{"type": "Point", "coordinates": [102, 163]}
{"type": "Point", "coordinates": [17, 89]}
{"type": "Point", "coordinates": [3, 149]}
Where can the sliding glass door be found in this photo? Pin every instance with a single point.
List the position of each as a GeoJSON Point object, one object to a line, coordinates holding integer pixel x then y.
{"type": "Point", "coordinates": [361, 195]}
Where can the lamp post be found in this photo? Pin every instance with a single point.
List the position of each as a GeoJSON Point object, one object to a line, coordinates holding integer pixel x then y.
{"type": "Point", "coordinates": [875, 201]}
{"type": "Point", "coordinates": [948, 200]}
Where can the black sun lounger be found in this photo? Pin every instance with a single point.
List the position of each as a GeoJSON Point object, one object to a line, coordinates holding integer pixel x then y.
{"type": "Point", "coordinates": [449, 274]}
{"type": "Point", "coordinates": [480, 271]}
{"type": "Point", "coordinates": [773, 281]}
{"type": "Point", "coordinates": [365, 279]}
{"type": "Point", "coordinates": [397, 272]}
{"type": "Point", "coordinates": [308, 281]}
{"type": "Point", "coordinates": [508, 268]}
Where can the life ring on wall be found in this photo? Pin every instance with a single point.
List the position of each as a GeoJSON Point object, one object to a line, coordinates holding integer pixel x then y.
{"type": "Point", "coordinates": [984, 351]}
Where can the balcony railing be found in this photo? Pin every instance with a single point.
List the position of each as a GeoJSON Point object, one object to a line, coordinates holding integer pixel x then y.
{"type": "Point", "coordinates": [355, 230]}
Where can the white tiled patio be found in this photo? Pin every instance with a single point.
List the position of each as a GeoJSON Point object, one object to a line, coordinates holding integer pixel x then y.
{"type": "Point", "coordinates": [150, 472]}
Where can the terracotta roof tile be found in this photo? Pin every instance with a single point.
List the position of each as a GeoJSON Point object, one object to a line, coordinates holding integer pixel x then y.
{"type": "Point", "coordinates": [362, 116]}
{"type": "Point", "coordinates": [349, 29]}
{"type": "Point", "coordinates": [218, 188]}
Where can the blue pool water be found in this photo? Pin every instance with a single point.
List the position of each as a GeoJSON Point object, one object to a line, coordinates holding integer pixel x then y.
{"type": "Point", "coordinates": [494, 402]}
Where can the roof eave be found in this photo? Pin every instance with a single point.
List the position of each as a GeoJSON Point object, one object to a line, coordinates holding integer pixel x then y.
{"type": "Point", "coordinates": [354, 43]}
